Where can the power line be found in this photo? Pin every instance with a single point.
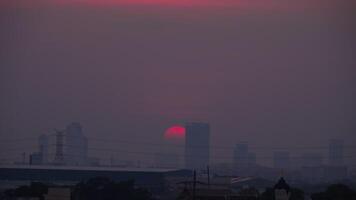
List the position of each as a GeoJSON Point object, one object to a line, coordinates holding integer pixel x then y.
{"type": "Point", "coordinates": [130, 142]}
{"type": "Point", "coordinates": [146, 153]}
{"type": "Point", "coordinates": [210, 146]}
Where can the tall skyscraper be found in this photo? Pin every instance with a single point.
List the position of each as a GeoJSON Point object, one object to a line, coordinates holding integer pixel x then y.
{"type": "Point", "coordinates": [76, 145]}
{"type": "Point", "coordinates": [281, 160]}
{"type": "Point", "coordinates": [59, 155]}
{"type": "Point", "coordinates": [241, 155]}
{"type": "Point", "coordinates": [197, 142]}
{"type": "Point", "coordinates": [43, 148]}
{"type": "Point", "coordinates": [336, 152]}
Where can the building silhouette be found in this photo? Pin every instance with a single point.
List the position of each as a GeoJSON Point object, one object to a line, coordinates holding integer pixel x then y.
{"type": "Point", "coordinates": [43, 148]}
{"type": "Point", "coordinates": [244, 161]}
{"type": "Point", "coordinates": [59, 154]}
{"type": "Point", "coordinates": [41, 156]}
{"type": "Point", "coordinates": [76, 145]}
{"type": "Point", "coordinates": [197, 142]}
{"type": "Point", "coordinates": [241, 155]}
{"type": "Point", "coordinates": [336, 152]}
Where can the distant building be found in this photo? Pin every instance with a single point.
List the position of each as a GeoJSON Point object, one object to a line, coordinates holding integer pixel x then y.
{"type": "Point", "coordinates": [197, 142]}
{"type": "Point", "coordinates": [36, 159]}
{"type": "Point", "coordinates": [244, 161]}
{"type": "Point", "coordinates": [59, 155]}
{"type": "Point", "coordinates": [76, 146]}
{"type": "Point", "coordinates": [241, 155]}
{"type": "Point", "coordinates": [336, 152]}
{"type": "Point", "coordinates": [43, 148]}
{"type": "Point", "coordinates": [40, 157]}
{"type": "Point", "coordinates": [281, 160]}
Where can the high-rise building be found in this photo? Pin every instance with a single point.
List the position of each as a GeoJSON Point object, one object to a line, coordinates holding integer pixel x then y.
{"type": "Point", "coordinates": [76, 145]}
{"type": "Point", "coordinates": [241, 155]}
{"type": "Point", "coordinates": [336, 152]}
{"type": "Point", "coordinates": [197, 142]}
{"type": "Point", "coordinates": [281, 160]}
{"type": "Point", "coordinates": [43, 148]}
{"type": "Point", "coordinates": [59, 156]}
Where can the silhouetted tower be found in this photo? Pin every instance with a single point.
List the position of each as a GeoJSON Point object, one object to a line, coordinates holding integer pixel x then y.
{"type": "Point", "coordinates": [336, 152]}
{"type": "Point", "coordinates": [76, 145]}
{"type": "Point", "coordinates": [241, 155]}
{"type": "Point", "coordinates": [43, 147]}
{"type": "Point", "coordinates": [197, 142]}
{"type": "Point", "coordinates": [59, 157]}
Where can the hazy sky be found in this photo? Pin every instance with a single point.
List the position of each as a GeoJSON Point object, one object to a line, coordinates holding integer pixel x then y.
{"type": "Point", "coordinates": [270, 72]}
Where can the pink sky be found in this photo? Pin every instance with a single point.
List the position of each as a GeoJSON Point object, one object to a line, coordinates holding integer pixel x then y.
{"type": "Point", "coordinates": [262, 4]}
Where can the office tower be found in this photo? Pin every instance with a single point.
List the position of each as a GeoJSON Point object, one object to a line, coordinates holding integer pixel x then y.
{"type": "Point", "coordinates": [76, 145]}
{"type": "Point", "coordinates": [241, 157]}
{"type": "Point", "coordinates": [59, 156]}
{"type": "Point", "coordinates": [281, 160]}
{"type": "Point", "coordinates": [336, 152]}
{"type": "Point", "coordinates": [197, 142]}
{"type": "Point", "coordinates": [43, 148]}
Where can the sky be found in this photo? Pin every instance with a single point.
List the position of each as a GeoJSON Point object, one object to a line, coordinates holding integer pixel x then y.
{"type": "Point", "coordinates": [275, 73]}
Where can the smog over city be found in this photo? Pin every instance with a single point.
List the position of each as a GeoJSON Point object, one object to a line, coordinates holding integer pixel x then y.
{"type": "Point", "coordinates": [188, 99]}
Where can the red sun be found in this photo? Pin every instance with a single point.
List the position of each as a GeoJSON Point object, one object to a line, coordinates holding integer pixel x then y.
{"type": "Point", "coordinates": [175, 132]}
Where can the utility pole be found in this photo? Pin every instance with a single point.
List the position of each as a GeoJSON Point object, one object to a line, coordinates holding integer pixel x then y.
{"type": "Point", "coordinates": [194, 183]}
{"type": "Point", "coordinates": [208, 172]}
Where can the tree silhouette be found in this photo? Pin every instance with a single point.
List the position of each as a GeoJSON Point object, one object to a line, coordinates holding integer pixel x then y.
{"type": "Point", "coordinates": [336, 192]}
{"type": "Point", "coordinates": [106, 189]}
{"type": "Point", "coordinates": [35, 189]}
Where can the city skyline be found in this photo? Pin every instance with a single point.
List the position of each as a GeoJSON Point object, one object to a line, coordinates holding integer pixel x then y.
{"type": "Point", "coordinates": [243, 155]}
{"type": "Point", "coordinates": [177, 99]}
{"type": "Point", "coordinates": [275, 76]}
